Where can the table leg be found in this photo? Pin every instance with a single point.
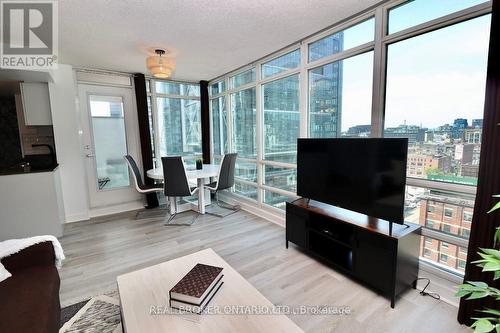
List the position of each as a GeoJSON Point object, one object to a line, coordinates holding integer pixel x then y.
{"type": "Point", "coordinates": [201, 195]}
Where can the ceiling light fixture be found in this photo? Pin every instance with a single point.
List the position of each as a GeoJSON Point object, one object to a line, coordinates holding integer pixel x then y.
{"type": "Point", "coordinates": [159, 65]}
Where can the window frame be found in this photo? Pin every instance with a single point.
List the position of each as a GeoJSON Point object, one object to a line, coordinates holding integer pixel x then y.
{"type": "Point", "coordinates": [153, 95]}
{"type": "Point", "coordinates": [379, 46]}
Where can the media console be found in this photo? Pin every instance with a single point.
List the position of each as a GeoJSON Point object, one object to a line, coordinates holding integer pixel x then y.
{"type": "Point", "coordinates": [357, 245]}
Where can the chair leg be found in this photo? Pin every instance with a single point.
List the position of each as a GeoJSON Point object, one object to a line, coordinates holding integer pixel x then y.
{"type": "Point", "coordinates": [169, 221]}
{"type": "Point", "coordinates": [223, 205]}
{"type": "Point", "coordinates": [171, 217]}
{"type": "Point", "coordinates": [232, 209]}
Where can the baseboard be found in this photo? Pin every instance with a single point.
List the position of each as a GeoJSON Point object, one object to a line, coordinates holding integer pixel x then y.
{"type": "Point", "coordinates": [84, 216]}
{"type": "Point", "coordinates": [115, 209]}
{"type": "Point", "coordinates": [270, 214]}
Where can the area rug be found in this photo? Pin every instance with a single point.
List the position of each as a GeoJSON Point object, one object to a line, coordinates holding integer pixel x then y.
{"type": "Point", "coordinates": [98, 314]}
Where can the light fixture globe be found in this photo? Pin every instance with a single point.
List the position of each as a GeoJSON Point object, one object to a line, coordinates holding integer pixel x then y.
{"type": "Point", "coordinates": [159, 65]}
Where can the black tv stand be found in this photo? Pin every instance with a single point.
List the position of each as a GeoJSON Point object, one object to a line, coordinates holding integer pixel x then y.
{"type": "Point", "coordinates": [372, 251]}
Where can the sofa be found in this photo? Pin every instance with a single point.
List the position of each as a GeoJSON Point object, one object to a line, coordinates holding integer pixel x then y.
{"type": "Point", "coordinates": [29, 299]}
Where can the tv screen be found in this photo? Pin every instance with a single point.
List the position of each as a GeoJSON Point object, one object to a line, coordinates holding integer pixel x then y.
{"type": "Point", "coordinates": [364, 175]}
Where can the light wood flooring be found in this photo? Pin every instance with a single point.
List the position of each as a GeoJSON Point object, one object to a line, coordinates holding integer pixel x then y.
{"type": "Point", "coordinates": [100, 250]}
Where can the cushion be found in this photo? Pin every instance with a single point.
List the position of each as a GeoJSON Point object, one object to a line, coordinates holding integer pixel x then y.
{"type": "Point", "coordinates": [30, 301]}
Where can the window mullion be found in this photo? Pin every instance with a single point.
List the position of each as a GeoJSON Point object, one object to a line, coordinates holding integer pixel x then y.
{"type": "Point", "coordinates": [379, 70]}
{"type": "Point", "coordinates": [260, 132]}
{"type": "Point", "coordinates": [303, 92]}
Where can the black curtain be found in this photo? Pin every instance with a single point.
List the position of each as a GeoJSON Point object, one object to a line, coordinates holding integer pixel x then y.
{"type": "Point", "coordinates": [145, 134]}
{"type": "Point", "coordinates": [483, 224]}
{"type": "Point", "coordinates": [205, 121]}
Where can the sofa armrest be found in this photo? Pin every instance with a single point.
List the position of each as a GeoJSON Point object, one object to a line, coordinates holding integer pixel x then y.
{"type": "Point", "coordinates": [41, 254]}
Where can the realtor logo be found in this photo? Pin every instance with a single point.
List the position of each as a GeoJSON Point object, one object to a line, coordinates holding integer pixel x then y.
{"type": "Point", "coordinates": [28, 34]}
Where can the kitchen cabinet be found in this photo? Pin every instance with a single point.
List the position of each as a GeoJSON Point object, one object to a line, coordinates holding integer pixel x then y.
{"type": "Point", "coordinates": [36, 103]}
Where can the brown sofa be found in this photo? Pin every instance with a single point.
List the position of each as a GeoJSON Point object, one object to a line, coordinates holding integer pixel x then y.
{"type": "Point", "coordinates": [29, 299]}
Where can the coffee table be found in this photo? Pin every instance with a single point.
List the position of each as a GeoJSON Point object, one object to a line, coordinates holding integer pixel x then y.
{"type": "Point", "coordinates": [146, 288]}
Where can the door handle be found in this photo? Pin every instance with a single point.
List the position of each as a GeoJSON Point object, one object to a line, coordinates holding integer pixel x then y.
{"type": "Point", "coordinates": [90, 155]}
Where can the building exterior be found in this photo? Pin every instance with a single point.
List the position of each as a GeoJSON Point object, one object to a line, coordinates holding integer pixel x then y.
{"type": "Point", "coordinates": [448, 215]}
{"type": "Point", "coordinates": [464, 153]}
{"type": "Point", "coordinates": [358, 131]}
{"type": "Point", "coordinates": [420, 165]}
{"type": "Point", "coordinates": [473, 135]}
{"type": "Point", "coordinates": [414, 133]}
{"type": "Point", "coordinates": [469, 170]}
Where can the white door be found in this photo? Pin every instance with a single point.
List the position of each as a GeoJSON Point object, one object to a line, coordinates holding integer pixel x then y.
{"type": "Point", "coordinates": [110, 131]}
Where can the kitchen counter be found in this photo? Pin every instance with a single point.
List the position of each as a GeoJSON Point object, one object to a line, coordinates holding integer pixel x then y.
{"type": "Point", "coordinates": [16, 170]}
{"type": "Point", "coordinates": [31, 204]}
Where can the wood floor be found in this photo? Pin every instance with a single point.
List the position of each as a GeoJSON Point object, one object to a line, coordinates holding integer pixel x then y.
{"type": "Point", "coordinates": [100, 250]}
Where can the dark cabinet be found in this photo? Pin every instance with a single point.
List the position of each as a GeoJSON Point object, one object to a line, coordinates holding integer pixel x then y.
{"type": "Point", "coordinates": [296, 228]}
{"type": "Point", "coordinates": [374, 262]}
{"type": "Point", "coordinates": [382, 258]}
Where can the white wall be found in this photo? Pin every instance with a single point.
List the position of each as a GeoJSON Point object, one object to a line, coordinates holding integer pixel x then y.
{"type": "Point", "coordinates": [67, 135]}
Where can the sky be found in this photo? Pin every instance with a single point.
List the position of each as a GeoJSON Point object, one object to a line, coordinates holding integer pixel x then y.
{"type": "Point", "coordinates": [431, 79]}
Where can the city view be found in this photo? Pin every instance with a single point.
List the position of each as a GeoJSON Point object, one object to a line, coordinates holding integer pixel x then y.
{"type": "Point", "coordinates": [448, 153]}
{"type": "Point", "coordinates": [438, 108]}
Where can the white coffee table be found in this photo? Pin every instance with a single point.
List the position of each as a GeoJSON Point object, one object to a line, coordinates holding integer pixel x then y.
{"type": "Point", "coordinates": [142, 289]}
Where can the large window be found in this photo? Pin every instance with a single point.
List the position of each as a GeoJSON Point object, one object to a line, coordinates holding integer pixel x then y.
{"type": "Point", "coordinates": [340, 98]}
{"type": "Point", "coordinates": [244, 123]}
{"type": "Point", "coordinates": [176, 119]}
{"type": "Point", "coordinates": [281, 119]}
{"type": "Point", "coordinates": [415, 12]}
{"type": "Point", "coordinates": [420, 75]}
{"type": "Point", "coordinates": [356, 35]}
{"type": "Point", "coordinates": [179, 126]}
{"type": "Point", "coordinates": [435, 98]}
{"type": "Point", "coordinates": [288, 61]}
{"type": "Point", "coordinates": [219, 125]}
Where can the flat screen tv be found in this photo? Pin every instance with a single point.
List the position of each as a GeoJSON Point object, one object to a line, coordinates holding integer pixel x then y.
{"type": "Point", "coordinates": [363, 175]}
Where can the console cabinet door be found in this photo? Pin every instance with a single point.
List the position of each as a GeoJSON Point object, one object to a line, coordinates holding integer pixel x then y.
{"type": "Point", "coordinates": [296, 226]}
{"type": "Point", "coordinates": [374, 260]}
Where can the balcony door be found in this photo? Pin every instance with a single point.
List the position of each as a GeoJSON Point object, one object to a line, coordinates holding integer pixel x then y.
{"type": "Point", "coordinates": [110, 131]}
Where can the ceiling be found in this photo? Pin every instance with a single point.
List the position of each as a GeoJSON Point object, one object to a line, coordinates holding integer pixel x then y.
{"type": "Point", "coordinates": [207, 38]}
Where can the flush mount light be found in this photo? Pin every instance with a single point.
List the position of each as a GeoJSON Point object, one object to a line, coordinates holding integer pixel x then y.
{"type": "Point", "coordinates": [159, 65]}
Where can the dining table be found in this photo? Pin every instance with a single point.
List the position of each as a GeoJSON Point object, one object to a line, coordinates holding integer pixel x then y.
{"type": "Point", "coordinates": [200, 175]}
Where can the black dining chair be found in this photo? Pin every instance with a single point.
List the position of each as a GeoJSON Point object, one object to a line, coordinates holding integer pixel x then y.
{"type": "Point", "coordinates": [174, 174]}
{"type": "Point", "coordinates": [225, 180]}
{"type": "Point", "coordinates": [143, 188]}
{"type": "Point", "coordinates": [139, 184]}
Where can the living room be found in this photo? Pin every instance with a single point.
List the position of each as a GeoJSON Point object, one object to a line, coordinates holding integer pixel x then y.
{"type": "Point", "coordinates": [249, 166]}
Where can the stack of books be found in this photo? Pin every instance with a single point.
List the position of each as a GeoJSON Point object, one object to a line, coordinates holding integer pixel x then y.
{"type": "Point", "coordinates": [195, 290]}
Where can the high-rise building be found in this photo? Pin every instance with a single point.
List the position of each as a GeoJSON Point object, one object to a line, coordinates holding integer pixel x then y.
{"type": "Point", "coordinates": [325, 108]}
{"type": "Point", "coordinates": [477, 123]}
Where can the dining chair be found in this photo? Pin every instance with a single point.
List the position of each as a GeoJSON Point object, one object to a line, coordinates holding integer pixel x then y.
{"type": "Point", "coordinates": [143, 188]}
{"type": "Point", "coordinates": [225, 180]}
{"type": "Point", "coordinates": [139, 184]}
{"type": "Point", "coordinates": [174, 174]}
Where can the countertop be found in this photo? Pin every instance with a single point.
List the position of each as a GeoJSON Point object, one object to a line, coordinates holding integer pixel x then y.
{"type": "Point", "coordinates": [17, 170]}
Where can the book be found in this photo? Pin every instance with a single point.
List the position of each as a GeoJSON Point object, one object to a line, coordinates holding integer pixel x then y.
{"type": "Point", "coordinates": [196, 284]}
{"type": "Point", "coordinates": [198, 309]}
